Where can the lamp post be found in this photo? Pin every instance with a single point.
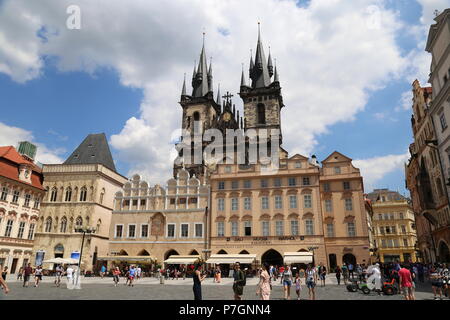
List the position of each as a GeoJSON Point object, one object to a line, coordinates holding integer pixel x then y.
{"type": "Point", "coordinates": [83, 230]}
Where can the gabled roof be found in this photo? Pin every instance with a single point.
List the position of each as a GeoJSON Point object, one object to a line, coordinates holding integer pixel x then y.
{"type": "Point", "coordinates": [298, 156]}
{"type": "Point", "coordinates": [93, 150]}
{"type": "Point", "coordinates": [332, 158]}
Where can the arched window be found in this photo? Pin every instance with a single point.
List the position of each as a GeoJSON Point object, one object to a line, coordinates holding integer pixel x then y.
{"type": "Point", "coordinates": [68, 194]}
{"type": "Point", "coordinates": [48, 225]}
{"type": "Point", "coordinates": [79, 222]}
{"type": "Point", "coordinates": [261, 114]}
{"type": "Point", "coordinates": [83, 194]}
{"type": "Point", "coordinates": [196, 116]}
{"type": "Point", "coordinates": [63, 225]}
{"type": "Point", "coordinates": [53, 194]}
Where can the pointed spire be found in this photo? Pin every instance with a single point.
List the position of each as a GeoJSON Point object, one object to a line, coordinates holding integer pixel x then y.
{"type": "Point", "coordinates": [183, 91]}
{"type": "Point", "coordinates": [200, 83]}
{"type": "Point", "coordinates": [218, 95]}
{"type": "Point", "coordinates": [276, 79]}
{"type": "Point", "coordinates": [260, 73]}
{"type": "Point", "coordinates": [194, 72]}
{"type": "Point", "coordinates": [269, 64]}
{"type": "Point", "coordinates": [242, 77]}
{"type": "Point", "coordinates": [210, 77]}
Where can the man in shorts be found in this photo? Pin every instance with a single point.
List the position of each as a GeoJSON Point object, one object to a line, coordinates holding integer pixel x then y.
{"type": "Point", "coordinates": [406, 283]}
{"type": "Point", "coordinates": [58, 273]}
{"type": "Point", "coordinates": [239, 279]}
{"type": "Point", "coordinates": [131, 276]}
{"type": "Point", "coordinates": [27, 271]}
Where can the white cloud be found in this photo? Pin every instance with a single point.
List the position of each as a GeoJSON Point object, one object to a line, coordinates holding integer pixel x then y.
{"type": "Point", "coordinates": [405, 102]}
{"type": "Point", "coordinates": [10, 136]}
{"type": "Point", "coordinates": [330, 55]}
{"type": "Point", "coordinates": [375, 169]}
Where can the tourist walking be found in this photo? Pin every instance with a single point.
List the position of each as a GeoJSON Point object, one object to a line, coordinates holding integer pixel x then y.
{"type": "Point", "coordinates": [264, 286]}
{"type": "Point", "coordinates": [3, 283]}
{"type": "Point", "coordinates": [198, 278]}
{"type": "Point", "coordinates": [311, 280]}
{"type": "Point", "coordinates": [322, 273]}
{"type": "Point", "coordinates": [298, 285]}
{"type": "Point", "coordinates": [350, 270]}
{"type": "Point", "coordinates": [4, 272]}
{"type": "Point", "coordinates": [58, 274]}
{"type": "Point", "coordinates": [338, 274]}
{"type": "Point", "coordinates": [239, 281]}
{"type": "Point", "coordinates": [280, 272]}
{"type": "Point", "coordinates": [436, 282]}
{"type": "Point", "coordinates": [217, 275]}
{"type": "Point", "coordinates": [345, 273]}
{"type": "Point", "coordinates": [139, 272]}
{"type": "Point", "coordinates": [102, 271]}
{"type": "Point", "coordinates": [69, 277]}
{"type": "Point", "coordinates": [37, 275]}
{"type": "Point", "coordinates": [406, 283]}
{"type": "Point", "coordinates": [131, 276]}
{"type": "Point", "coordinates": [287, 282]}
{"type": "Point", "coordinates": [27, 271]}
{"type": "Point", "coordinates": [20, 274]}
{"type": "Point", "coordinates": [116, 275]}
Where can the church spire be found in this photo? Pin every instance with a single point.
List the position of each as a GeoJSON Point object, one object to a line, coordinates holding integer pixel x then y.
{"type": "Point", "coordinates": [210, 77]}
{"type": "Point", "coordinates": [260, 73]}
{"type": "Point", "coordinates": [200, 81]}
{"type": "Point", "coordinates": [183, 91]}
{"type": "Point", "coordinates": [218, 95]}
{"type": "Point", "coordinates": [269, 64]}
{"type": "Point", "coordinates": [243, 84]}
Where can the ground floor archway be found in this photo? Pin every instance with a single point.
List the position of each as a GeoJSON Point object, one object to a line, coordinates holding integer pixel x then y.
{"type": "Point", "coordinates": [272, 257]}
{"type": "Point", "coordinates": [349, 258]}
{"type": "Point", "coordinates": [170, 253]}
{"type": "Point", "coordinates": [444, 253]}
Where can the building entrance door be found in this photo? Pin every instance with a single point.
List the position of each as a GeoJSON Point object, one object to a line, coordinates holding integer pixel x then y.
{"type": "Point", "coordinates": [14, 265]}
{"type": "Point", "coordinates": [272, 257]}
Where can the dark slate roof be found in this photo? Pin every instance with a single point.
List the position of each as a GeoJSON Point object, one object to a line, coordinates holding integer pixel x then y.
{"type": "Point", "coordinates": [376, 194]}
{"type": "Point", "coordinates": [94, 149]}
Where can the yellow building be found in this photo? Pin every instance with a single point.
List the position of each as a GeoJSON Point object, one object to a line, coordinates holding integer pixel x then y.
{"type": "Point", "coordinates": [394, 226]}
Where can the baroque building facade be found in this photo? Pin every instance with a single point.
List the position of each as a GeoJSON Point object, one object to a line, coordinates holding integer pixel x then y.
{"type": "Point", "coordinates": [21, 192]}
{"type": "Point", "coordinates": [80, 194]}
{"type": "Point", "coordinates": [394, 227]}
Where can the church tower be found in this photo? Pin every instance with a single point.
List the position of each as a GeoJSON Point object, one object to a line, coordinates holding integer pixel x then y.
{"type": "Point", "coordinates": [262, 97]}
{"type": "Point", "coordinates": [200, 111]}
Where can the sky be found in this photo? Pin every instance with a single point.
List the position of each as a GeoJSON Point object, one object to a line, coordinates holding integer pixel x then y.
{"type": "Point", "coordinates": [345, 68]}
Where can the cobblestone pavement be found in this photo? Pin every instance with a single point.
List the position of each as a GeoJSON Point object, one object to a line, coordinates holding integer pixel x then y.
{"type": "Point", "coordinates": [150, 289]}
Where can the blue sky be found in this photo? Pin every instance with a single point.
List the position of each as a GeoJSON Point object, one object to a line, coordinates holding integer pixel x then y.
{"type": "Point", "coordinates": [126, 82]}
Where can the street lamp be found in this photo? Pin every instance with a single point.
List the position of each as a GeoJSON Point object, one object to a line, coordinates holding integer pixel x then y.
{"type": "Point", "coordinates": [83, 230]}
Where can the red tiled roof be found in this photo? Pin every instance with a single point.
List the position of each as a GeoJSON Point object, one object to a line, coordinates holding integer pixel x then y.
{"type": "Point", "coordinates": [9, 167]}
{"type": "Point", "coordinates": [428, 89]}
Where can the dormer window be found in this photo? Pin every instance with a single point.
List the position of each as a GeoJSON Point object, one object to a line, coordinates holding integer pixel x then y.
{"type": "Point", "coordinates": [261, 114]}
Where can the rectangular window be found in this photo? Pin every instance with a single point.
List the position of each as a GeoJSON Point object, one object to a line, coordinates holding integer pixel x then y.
{"type": "Point", "coordinates": [21, 230]}
{"type": "Point", "coordinates": [8, 229]}
{"type": "Point", "coordinates": [307, 201]}
{"type": "Point", "coordinates": [443, 121]}
{"type": "Point", "coordinates": [306, 181]}
{"type": "Point", "coordinates": [337, 170]}
{"type": "Point", "coordinates": [401, 217]}
{"type": "Point", "coordinates": [309, 226]}
{"type": "Point", "coordinates": [265, 228]}
{"type": "Point", "coordinates": [277, 182]}
{"type": "Point", "coordinates": [170, 230]}
{"type": "Point", "coordinates": [15, 198]}
{"type": "Point", "coordinates": [144, 230]}
{"type": "Point", "coordinates": [221, 204]}
{"type": "Point", "coordinates": [119, 230]}
{"type": "Point", "coordinates": [131, 231]}
{"type": "Point", "coordinates": [228, 169]}
{"type": "Point", "coordinates": [264, 183]}
{"type": "Point", "coordinates": [27, 200]}
{"type": "Point", "coordinates": [405, 242]}
{"type": "Point", "coordinates": [294, 227]}
{"type": "Point", "coordinates": [326, 187]}
{"type": "Point", "coordinates": [184, 230]}
{"type": "Point", "coordinates": [395, 244]}
{"type": "Point", "coordinates": [403, 229]}
{"type": "Point", "coordinates": [247, 228]}
{"type": "Point", "coordinates": [351, 231]}
{"type": "Point", "coordinates": [383, 243]}
{"type": "Point", "coordinates": [31, 231]}
{"type": "Point", "coordinates": [392, 216]}
{"type": "Point", "coordinates": [330, 230]}
{"type": "Point", "coordinates": [199, 230]}
{"type": "Point", "coordinates": [346, 185]}
{"type": "Point", "coordinates": [142, 205]}
{"type": "Point", "coordinates": [220, 229]}
{"type": "Point", "coordinates": [386, 216]}
{"type": "Point", "coordinates": [348, 204]}
{"type": "Point", "coordinates": [234, 204]}
{"type": "Point", "coordinates": [247, 184]}
{"type": "Point", "coordinates": [380, 216]}
{"type": "Point", "coordinates": [135, 202]}
{"type": "Point", "coordinates": [293, 202]}
{"type": "Point", "coordinates": [265, 203]}
{"type": "Point", "coordinates": [292, 182]}
{"type": "Point", "coordinates": [298, 164]}
{"type": "Point", "coordinates": [394, 229]}
{"type": "Point", "coordinates": [328, 205]}
{"type": "Point", "coordinates": [221, 185]}
{"type": "Point", "coordinates": [36, 203]}
{"type": "Point", "coordinates": [247, 203]}
{"type": "Point", "coordinates": [4, 193]}
{"type": "Point", "coordinates": [278, 202]}
{"type": "Point", "coordinates": [279, 228]}
{"type": "Point", "coordinates": [234, 184]}
{"type": "Point", "coordinates": [381, 230]}
{"type": "Point", "coordinates": [234, 229]}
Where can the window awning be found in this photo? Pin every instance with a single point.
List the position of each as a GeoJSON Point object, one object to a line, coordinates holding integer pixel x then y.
{"type": "Point", "coordinates": [298, 257]}
{"type": "Point", "coordinates": [175, 259]}
{"type": "Point", "coordinates": [127, 258]}
{"type": "Point", "coordinates": [231, 258]}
